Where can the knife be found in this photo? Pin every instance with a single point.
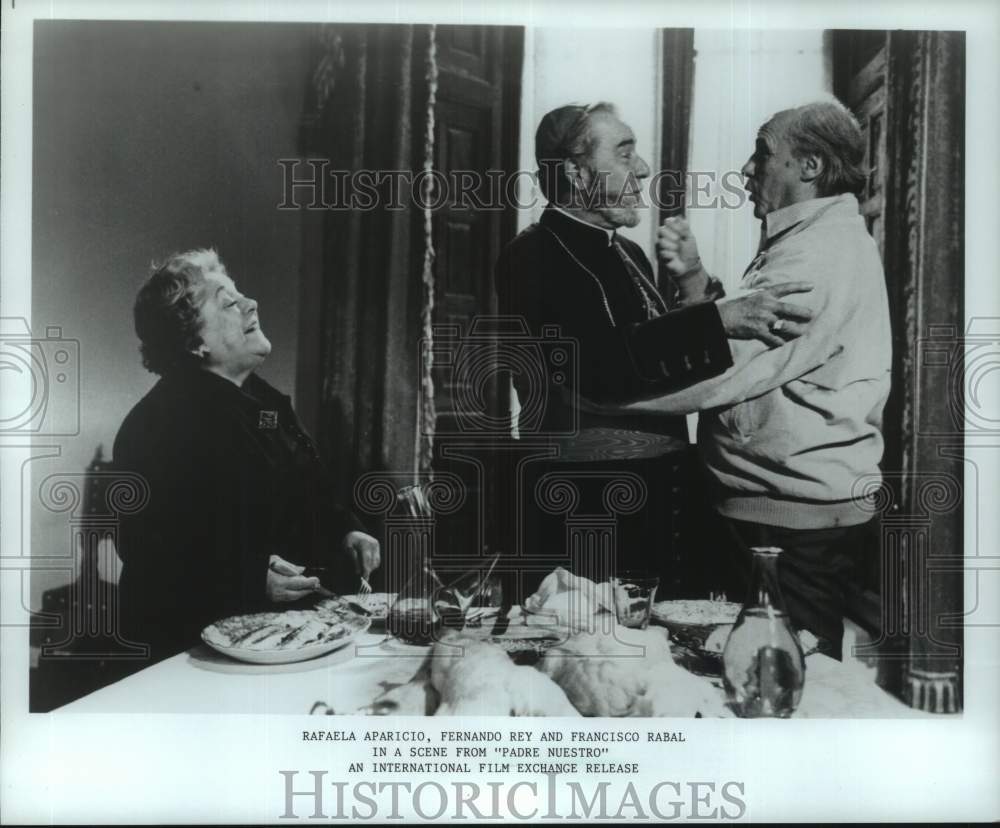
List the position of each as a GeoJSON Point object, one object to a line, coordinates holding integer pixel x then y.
{"type": "Point", "coordinates": [354, 605]}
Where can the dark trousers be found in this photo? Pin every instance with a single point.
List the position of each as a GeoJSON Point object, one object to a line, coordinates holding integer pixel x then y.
{"type": "Point", "coordinates": [817, 571]}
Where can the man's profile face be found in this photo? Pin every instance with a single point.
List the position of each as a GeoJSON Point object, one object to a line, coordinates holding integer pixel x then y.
{"type": "Point", "coordinates": [773, 174]}
{"type": "Point", "coordinates": [610, 189]}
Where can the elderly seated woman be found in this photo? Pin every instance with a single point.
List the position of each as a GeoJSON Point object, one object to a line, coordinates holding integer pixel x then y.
{"type": "Point", "coordinates": [237, 490]}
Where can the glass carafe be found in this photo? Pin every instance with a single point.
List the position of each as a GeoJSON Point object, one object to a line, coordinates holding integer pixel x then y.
{"type": "Point", "coordinates": [763, 665]}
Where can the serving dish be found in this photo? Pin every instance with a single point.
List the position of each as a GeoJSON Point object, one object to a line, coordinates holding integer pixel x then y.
{"type": "Point", "coordinates": [286, 637]}
{"type": "Point", "coordinates": [699, 626]}
{"type": "Point", "coordinates": [693, 622]}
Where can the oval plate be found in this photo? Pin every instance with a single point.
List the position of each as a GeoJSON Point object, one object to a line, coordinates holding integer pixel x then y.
{"type": "Point", "coordinates": [696, 613]}
{"type": "Point", "coordinates": [345, 626]}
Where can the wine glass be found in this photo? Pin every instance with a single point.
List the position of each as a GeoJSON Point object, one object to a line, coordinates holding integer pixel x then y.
{"type": "Point", "coordinates": [452, 603]}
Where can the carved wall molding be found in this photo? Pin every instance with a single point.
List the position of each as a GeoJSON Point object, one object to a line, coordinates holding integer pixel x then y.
{"type": "Point", "coordinates": [922, 530]}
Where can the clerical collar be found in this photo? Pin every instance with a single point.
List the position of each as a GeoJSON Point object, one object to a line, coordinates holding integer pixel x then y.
{"type": "Point", "coordinates": [610, 233]}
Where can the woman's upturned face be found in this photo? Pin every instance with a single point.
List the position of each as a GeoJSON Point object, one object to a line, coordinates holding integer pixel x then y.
{"type": "Point", "coordinates": [233, 345]}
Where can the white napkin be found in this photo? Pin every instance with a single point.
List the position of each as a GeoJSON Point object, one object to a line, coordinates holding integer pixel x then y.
{"type": "Point", "coordinates": [561, 581]}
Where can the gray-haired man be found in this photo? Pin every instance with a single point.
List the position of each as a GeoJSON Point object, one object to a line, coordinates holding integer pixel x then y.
{"type": "Point", "coordinates": [789, 433]}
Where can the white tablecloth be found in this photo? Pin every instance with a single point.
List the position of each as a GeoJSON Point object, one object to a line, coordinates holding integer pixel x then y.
{"type": "Point", "coordinates": [202, 681]}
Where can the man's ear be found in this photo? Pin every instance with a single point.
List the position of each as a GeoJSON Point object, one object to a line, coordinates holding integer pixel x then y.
{"type": "Point", "coordinates": [576, 174]}
{"type": "Point", "coordinates": [811, 167]}
{"type": "Point", "coordinates": [200, 351]}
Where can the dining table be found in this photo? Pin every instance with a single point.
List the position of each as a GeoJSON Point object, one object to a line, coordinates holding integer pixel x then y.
{"type": "Point", "coordinates": [351, 678]}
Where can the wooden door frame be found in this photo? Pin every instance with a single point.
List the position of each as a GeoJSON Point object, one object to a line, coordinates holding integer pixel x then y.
{"type": "Point", "coordinates": [922, 516]}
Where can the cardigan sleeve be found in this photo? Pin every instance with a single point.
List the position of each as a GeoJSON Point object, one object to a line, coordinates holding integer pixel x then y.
{"type": "Point", "coordinates": [759, 369]}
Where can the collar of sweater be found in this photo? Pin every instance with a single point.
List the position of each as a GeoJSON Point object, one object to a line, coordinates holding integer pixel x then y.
{"type": "Point", "coordinates": [784, 219]}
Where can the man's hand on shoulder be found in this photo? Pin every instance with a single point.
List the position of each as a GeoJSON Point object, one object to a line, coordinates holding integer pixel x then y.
{"type": "Point", "coordinates": [761, 315]}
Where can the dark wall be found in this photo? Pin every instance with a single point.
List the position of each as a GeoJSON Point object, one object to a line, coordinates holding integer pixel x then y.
{"type": "Point", "coordinates": [151, 138]}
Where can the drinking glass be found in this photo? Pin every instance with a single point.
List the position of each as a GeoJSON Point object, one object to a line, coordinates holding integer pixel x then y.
{"type": "Point", "coordinates": [466, 594]}
{"type": "Point", "coordinates": [634, 593]}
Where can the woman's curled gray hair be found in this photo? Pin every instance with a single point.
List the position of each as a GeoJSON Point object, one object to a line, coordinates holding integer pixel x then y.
{"type": "Point", "coordinates": [168, 309]}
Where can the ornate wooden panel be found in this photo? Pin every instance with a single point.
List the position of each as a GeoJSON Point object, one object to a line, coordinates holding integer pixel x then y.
{"type": "Point", "coordinates": [868, 100]}
{"type": "Point", "coordinates": [476, 117]}
{"type": "Point", "coordinates": [907, 89]}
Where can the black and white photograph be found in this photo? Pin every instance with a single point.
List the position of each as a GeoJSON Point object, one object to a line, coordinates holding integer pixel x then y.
{"type": "Point", "coordinates": [591, 380]}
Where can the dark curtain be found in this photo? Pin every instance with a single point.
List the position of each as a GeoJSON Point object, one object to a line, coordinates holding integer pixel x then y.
{"type": "Point", "coordinates": [370, 95]}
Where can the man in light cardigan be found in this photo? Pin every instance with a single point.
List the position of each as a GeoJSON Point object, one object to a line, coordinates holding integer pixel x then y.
{"type": "Point", "coordinates": [787, 433]}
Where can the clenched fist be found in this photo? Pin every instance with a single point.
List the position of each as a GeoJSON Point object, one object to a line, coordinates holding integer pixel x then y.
{"type": "Point", "coordinates": [677, 248]}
